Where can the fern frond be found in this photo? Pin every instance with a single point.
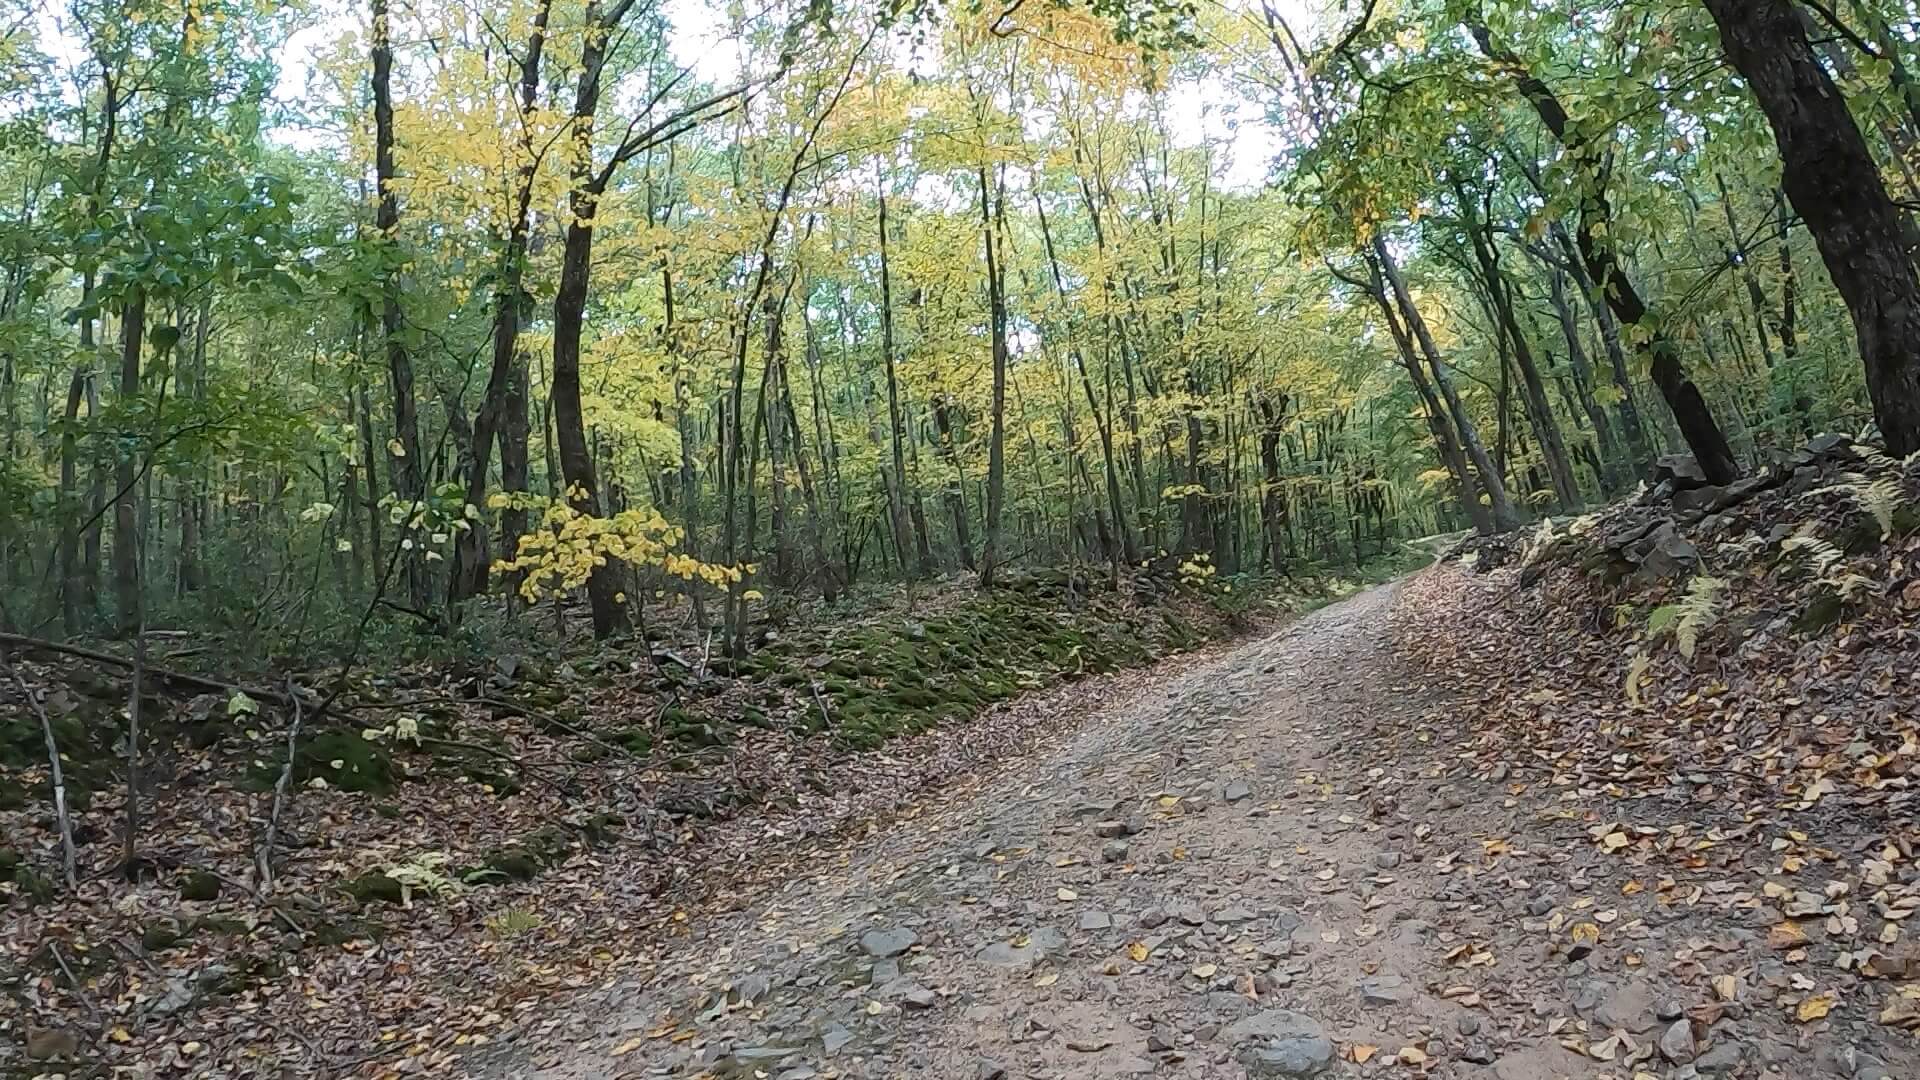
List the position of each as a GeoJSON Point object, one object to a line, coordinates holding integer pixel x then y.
{"type": "Point", "coordinates": [1879, 496]}
{"type": "Point", "coordinates": [1698, 611]}
{"type": "Point", "coordinates": [1853, 588]}
{"type": "Point", "coordinates": [1822, 555]}
{"type": "Point", "coordinates": [1636, 673]}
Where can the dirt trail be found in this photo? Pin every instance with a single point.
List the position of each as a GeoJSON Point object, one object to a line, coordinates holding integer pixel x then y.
{"type": "Point", "coordinates": [1222, 876]}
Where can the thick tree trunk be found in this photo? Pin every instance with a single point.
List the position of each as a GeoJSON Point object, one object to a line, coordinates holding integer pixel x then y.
{"type": "Point", "coordinates": [569, 425]}
{"type": "Point", "coordinates": [1832, 180]}
{"type": "Point", "coordinates": [569, 315]}
{"type": "Point", "coordinates": [405, 463]}
{"type": "Point", "coordinates": [469, 576]}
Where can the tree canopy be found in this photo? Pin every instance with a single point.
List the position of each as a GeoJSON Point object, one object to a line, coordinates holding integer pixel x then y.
{"type": "Point", "coordinates": [321, 313]}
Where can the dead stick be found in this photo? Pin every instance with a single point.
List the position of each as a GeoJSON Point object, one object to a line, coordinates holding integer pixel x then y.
{"type": "Point", "coordinates": [263, 859]}
{"type": "Point", "coordinates": [67, 856]}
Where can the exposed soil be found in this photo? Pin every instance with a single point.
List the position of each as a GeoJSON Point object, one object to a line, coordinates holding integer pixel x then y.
{"type": "Point", "coordinates": [1289, 858]}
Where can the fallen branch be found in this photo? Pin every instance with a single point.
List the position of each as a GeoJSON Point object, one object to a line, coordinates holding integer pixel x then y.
{"type": "Point", "coordinates": [61, 817]}
{"type": "Point", "coordinates": [263, 859]}
{"type": "Point", "coordinates": [165, 675]}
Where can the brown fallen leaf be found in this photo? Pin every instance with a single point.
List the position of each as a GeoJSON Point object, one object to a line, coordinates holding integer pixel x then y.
{"type": "Point", "coordinates": [1358, 1053]}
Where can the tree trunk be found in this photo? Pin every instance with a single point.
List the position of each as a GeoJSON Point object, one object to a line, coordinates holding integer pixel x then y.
{"type": "Point", "coordinates": [996, 445]}
{"type": "Point", "coordinates": [469, 576]}
{"type": "Point", "coordinates": [126, 528]}
{"type": "Point", "coordinates": [1490, 478]}
{"type": "Point", "coordinates": [1683, 397]}
{"type": "Point", "coordinates": [1533, 390]}
{"type": "Point", "coordinates": [1583, 378]}
{"type": "Point", "coordinates": [405, 464]}
{"type": "Point", "coordinates": [896, 427]}
{"type": "Point", "coordinates": [569, 314]}
{"type": "Point", "coordinates": [1832, 180]}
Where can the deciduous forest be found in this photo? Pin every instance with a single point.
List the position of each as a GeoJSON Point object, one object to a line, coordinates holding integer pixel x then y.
{"type": "Point", "coordinates": [485, 479]}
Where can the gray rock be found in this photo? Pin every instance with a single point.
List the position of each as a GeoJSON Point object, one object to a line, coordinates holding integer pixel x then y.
{"type": "Point", "coordinates": [750, 989]}
{"type": "Point", "coordinates": [179, 995]}
{"type": "Point", "coordinates": [1237, 791]}
{"type": "Point", "coordinates": [1871, 1068]}
{"type": "Point", "coordinates": [1628, 1008]}
{"type": "Point", "coordinates": [1007, 955]}
{"type": "Point", "coordinates": [1384, 990]}
{"type": "Point", "coordinates": [835, 1039]}
{"type": "Point", "coordinates": [1387, 860]}
{"type": "Point", "coordinates": [1233, 915]}
{"type": "Point", "coordinates": [989, 1070]}
{"type": "Point", "coordinates": [761, 1055]}
{"type": "Point", "coordinates": [1114, 828]}
{"type": "Point", "coordinates": [1190, 913]}
{"type": "Point", "coordinates": [1280, 1043]}
{"type": "Point", "coordinates": [1721, 1058]}
{"type": "Point", "coordinates": [889, 942]}
{"type": "Point", "coordinates": [1676, 1043]}
{"type": "Point", "coordinates": [1095, 920]}
{"type": "Point", "coordinates": [1478, 1052]}
{"type": "Point", "coordinates": [920, 998]}
{"type": "Point", "coordinates": [1290, 1057]}
{"type": "Point", "coordinates": [798, 1072]}
{"type": "Point", "coordinates": [1047, 939]}
{"type": "Point", "coordinates": [1113, 851]}
{"type": "Point", "coordinates": [1153, 918]}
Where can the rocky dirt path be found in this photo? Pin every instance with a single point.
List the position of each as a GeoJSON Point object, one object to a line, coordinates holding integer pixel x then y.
{"type": "Point", "coordinates": [1223, 876]}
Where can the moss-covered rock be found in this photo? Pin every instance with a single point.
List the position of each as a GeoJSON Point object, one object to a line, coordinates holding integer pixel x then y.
{"type": "Point", "coordinates": [374, 887]}
{"type": "Point", "coordinates": [160, 935]}
{"type": "Point", "coordinates": [199, 885]}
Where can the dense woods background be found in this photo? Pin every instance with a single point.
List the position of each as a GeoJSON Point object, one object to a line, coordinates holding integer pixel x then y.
{"type": "Point", "coordinates": [489, 303]}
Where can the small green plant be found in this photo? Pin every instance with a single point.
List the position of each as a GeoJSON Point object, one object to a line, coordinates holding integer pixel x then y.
{"type": "Point", "coordinates": [424, 873]}
{"type": "Point", "coordinates": [513, 922]}
{"type": "Point", "coordinates": [1686, 619]}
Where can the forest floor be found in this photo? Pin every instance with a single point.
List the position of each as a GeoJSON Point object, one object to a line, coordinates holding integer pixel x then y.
{"type": "Point", "coordinates": [1297, 855]}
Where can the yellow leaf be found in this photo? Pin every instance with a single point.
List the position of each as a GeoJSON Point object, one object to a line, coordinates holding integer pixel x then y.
{"type": "Point", "coordinates": [1139, 951]}
{"type": "Point", "coordinates": [1360, 1052]}
{"type": "Point", "coordinates": [1412, 1055]}
{"type": "Point", "coordinates": [1205, 971]}
{"type": "Point", "coordinates": [1814, 1008]}
{"type": "Point", "coordinates": [629, 1046]}
{"type": "Point", "coordinates": [1048, 979]}
{"type": "Point", "coordinates": [1585, 933]}
{"type": "Point", "coordinates": [1786, 935]}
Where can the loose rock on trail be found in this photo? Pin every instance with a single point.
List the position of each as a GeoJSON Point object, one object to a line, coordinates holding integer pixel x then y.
{"type": "Point", "coordinates": [1215, 876]}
